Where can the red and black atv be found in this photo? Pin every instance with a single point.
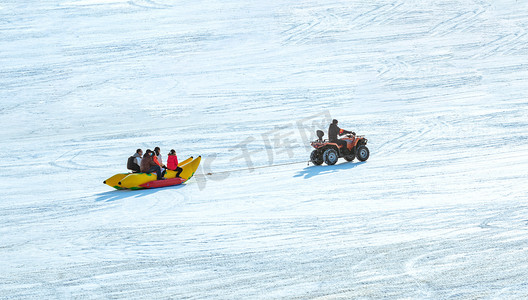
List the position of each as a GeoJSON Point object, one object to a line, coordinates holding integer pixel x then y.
{"type": "Point", "coordinates": [329, 152]}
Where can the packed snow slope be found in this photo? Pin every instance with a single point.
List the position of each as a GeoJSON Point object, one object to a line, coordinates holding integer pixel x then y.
{"type": "Point", "coordinates": [440, 89]}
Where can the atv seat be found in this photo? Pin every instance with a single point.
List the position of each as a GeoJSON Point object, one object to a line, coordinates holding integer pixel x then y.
{"type": "Point", "coordinates": [320, 135]}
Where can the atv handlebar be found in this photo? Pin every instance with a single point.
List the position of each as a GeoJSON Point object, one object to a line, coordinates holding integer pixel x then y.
{"type": "Point", "coordinates": [350, 134]}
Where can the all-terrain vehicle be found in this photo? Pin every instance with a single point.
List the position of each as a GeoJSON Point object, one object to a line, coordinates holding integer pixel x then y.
{"type": "Point", "coordinates": [328, 152]}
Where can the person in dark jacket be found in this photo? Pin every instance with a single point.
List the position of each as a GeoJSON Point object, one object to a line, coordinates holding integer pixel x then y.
{"type": "Point", "coordinates": [148, 165]}
{"type": "Point", "coordinates": [134, 161]}
{"type": "Point", "coordinates": [172, 163]}
{"type": "Point", "coordinates": [334, 131]}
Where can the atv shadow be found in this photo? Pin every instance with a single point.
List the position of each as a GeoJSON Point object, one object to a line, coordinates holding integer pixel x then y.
{"type": "Point", "coordinates": [312, 171]}
{"type": "Point", "coordinates": [124, 194]}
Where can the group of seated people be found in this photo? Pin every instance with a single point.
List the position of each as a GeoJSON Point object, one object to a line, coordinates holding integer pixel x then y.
{"type": "Point", "coordinates": [152, 161]}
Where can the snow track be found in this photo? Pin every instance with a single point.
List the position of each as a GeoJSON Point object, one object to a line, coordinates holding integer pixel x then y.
{"type": "Point", "coordinates": [437, 212]}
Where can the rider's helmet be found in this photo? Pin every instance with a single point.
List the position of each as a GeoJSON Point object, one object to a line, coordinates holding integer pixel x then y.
{"type": "Point", "coordinates": [334, 121]}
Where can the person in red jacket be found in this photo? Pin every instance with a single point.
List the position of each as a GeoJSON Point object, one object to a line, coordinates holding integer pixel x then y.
{"type": "Point", "coordinates": [172, 163]}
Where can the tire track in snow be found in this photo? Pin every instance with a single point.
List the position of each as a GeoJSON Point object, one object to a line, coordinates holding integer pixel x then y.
{"type": "Point", "coordinates": [396, 65]}
{"type": "Point", "coordinates": [300, 33]}
{"type": "Point", "coordinates": [468, 256]}
{"type": "Point", "coordinates": [312, 25]}
{"type": "Point", "coordinates": [515, 218]}
{"type": "Point", "coordinates": [412, 269]}
{"type": "Point", "coordinates": [323, 22]}
{"type": "Point", "coordinates": [416, 138]}
{"type": "Point", "coordinates": [149, 4]}
{"type": "Point", "coordinates": [459, 23]}
{"type": "Point", "coordinates": [67, 161]}
{"type": "Point", "coordinates": [379, 15]}
{"type": "Point", "coordinates": [508, 44]}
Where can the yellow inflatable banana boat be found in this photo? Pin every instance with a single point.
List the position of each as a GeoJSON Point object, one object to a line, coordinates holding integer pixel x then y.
{"type": "Point", "coordinates": [133, 181]}
{"type": "Point", "coordinates": [188, 169]}
{"type": "Point", "coordinates": [114, 180]}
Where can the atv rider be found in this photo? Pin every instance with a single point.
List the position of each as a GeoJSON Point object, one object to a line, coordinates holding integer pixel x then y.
{"type": "Point", "coordinates": [334, 131]}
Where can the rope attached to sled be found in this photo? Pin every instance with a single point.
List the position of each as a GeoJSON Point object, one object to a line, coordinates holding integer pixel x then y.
{"type": "Point", "coordinates": [254, 168]}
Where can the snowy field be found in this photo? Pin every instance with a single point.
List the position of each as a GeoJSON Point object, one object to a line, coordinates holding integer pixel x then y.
{"type": "Point", "coordinates": [439, 88]}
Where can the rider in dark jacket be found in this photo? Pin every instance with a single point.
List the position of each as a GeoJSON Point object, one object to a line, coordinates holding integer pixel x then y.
{"type": "Point", "coordinates": [148, 165]}
{"type": "Point", "coordinates": [334, 131]}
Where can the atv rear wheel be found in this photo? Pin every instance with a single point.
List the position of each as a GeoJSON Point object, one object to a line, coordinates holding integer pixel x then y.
{"type": "Point", "coordinates": [316, 158]}
{"type": "Point", "coordinates": [349, 157]}
{"type": "Point", "coordinates": [330, 157]}
{"type": "Point", "coordinates": [363, 153]}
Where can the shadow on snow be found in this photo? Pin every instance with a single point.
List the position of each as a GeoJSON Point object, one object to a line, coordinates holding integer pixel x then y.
{"type": "Point", "coordinates": [124, 194]}
{"type": "Point", "coordinates": [312, 171]}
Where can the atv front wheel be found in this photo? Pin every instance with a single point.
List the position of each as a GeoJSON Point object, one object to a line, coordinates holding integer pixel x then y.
{"type": "Point", "coordinates": [363, 153]}
{"type": "Point", "coordinates": [330, 157]}
{"type": "Point", "coordinates": [316, 158]}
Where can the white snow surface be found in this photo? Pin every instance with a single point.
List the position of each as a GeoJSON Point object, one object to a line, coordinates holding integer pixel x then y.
{"type": "Point", "coordinates": [439, 88]}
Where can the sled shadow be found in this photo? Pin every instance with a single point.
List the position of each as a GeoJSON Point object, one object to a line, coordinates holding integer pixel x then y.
{"type": "Point", "coordinates": [312, 171]}
{"type": "Point", "coordinates": [125, 194]}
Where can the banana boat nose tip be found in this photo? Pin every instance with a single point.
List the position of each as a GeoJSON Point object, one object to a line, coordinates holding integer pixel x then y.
{"type": "Point", "coordinates": [104, 182]}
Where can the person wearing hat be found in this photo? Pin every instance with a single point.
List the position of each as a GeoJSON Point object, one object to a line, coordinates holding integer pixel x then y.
{"type": "Point", "coordinates": [172, 162]}
{"type": "Point", "coordinates": [334, 131]}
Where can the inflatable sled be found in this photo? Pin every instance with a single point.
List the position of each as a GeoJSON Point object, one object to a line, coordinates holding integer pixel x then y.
{"type": "Point", "coordinates": [163, 183]}
{"type": "Point", "coordinates": [136, 181]}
